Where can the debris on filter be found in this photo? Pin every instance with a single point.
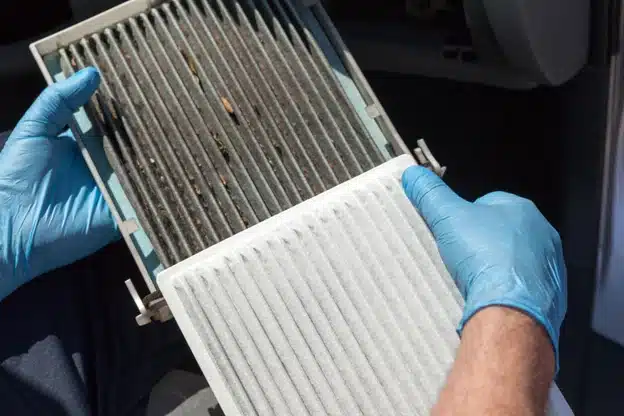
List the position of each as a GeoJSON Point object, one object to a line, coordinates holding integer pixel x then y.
{"type": "Point", "coordinates": [224, 181]}
{"type": "Point", "coordinates": [279, 150]}
{"type": "Point", "coordinates": [152, 161]}
{"type": "Point", "coordinates": [227, 105]}
{"type": "Point", "coordinates": [230, 110]}
{"type": "Point", "coordinates": [112, 108]}
{"type": "Point", "coordinates": [73, 62]}
{"type": "Point", "coordinates": [239, 210]}
{"type": "Point", "coordinates": [99, 110]}
{"type": "Point", "coordinates": [222, 148]}
{"type": "Point", "coordinates": [190, 62]}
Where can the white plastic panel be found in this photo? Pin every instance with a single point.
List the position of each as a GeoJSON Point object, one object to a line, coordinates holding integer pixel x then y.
{"type": "Point", "coordinates": [340, 305]}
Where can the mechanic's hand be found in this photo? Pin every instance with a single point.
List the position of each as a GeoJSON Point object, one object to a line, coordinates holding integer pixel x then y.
{"type": "Point", "coordinates": [51, 211]}
{"type": "Point", "coordinates": [500, 250]}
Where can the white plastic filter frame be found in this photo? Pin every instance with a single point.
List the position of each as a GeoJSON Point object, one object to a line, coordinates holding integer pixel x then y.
{"type": "Point", "coordinates": [345, 69]}
{"type": "Point", "coordinates": [340, 305]}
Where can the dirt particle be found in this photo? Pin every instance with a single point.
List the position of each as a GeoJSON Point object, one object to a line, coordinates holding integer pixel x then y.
{"type": "Point", "coordinates": [222, 149]}
{"type": "Point", "coordinates": [227, 105]}
{"type": "Point", "coordinates": [190, 62]}
{"type": "Point", "coordinates": [279, 150]}
{"type": "Point", "coordinates": [112, 109]}
{"type": "Point", "coordinates": [152, 161]}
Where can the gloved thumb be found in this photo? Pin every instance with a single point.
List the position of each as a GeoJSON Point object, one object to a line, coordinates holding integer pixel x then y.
{"type": "Point", "coordinates": [52, 111]}
{"type": "Point", "coordinates": [430, 195]}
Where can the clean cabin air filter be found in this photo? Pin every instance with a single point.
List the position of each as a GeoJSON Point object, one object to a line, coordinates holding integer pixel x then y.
{"type": "Point", "coordinates": [340, 305]}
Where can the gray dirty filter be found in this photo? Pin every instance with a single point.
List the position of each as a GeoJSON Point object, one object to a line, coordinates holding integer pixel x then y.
{"type": "Point", "coordinates": [218, 115]}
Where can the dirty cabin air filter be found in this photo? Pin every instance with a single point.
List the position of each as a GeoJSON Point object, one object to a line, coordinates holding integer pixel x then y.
{"type": "Point", "coordinates": [216, 115]}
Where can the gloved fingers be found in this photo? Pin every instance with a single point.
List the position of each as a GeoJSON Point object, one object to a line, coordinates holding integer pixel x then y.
{"type": "Point", "coordinates": [430, 195]}
{"type": "Point", "coordinates": [52, 111]}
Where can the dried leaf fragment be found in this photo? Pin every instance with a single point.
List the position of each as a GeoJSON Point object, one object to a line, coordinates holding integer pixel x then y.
{"type": "Point", "coordinates": [190, 62]}
{"type": "Point", "coordinates": [227, 105]}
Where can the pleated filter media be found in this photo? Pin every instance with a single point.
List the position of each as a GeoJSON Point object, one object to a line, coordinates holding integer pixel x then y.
{"type": "Point", "coordinates": [340, 305]}
{"type": "Point", "coordinates": [216, 115]}
{"type": "Point", "coordinates": [186, 71]}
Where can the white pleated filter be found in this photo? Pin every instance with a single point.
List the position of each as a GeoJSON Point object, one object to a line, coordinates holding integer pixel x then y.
{"type": "Point", "coordinates": [340, 305]}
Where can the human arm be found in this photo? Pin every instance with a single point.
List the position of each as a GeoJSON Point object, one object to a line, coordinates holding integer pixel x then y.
{"type": "Point", "coordinates": [52, 211]}
{"type": "Point", "coordinates": [508, 264]}
{"type": "Point", "coordinates": [504, 365]}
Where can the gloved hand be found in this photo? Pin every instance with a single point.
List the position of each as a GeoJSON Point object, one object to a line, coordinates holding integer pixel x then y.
{"type": "Point", "coordinates": [51, 211]}
{"type": "Point", "coordinates": [500, 250]}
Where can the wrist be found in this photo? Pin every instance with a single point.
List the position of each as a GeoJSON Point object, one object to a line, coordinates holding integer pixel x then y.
{"type": "Point", "coordinates": [495, 320]}
{"type": "Point", "coordinates": [549, 326]}
{"type": "Point", "coordinates": [499, 323]}
{"type": "Point", "coordinates": [505, 365]}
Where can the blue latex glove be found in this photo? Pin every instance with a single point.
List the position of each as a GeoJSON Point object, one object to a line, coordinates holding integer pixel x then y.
{"type": "Point", "coordinates": [500, 250]}
{"type": "Point", "coordinates": [51, 212]}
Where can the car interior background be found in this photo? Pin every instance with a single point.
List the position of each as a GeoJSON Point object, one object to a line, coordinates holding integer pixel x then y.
{"type": "Point", "coordinates": [493, 130]}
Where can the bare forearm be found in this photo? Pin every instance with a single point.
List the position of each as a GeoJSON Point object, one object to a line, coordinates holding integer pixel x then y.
{"type": "Point", "coordinates": [504, 366]}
